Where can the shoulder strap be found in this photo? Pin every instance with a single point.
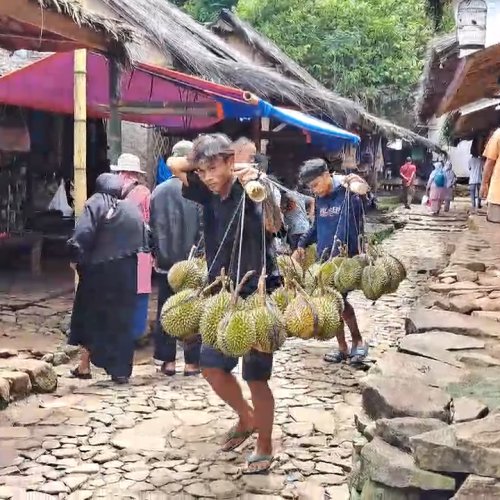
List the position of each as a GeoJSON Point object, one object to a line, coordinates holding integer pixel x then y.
{"type": "Point", "coordinates": [129, 189]}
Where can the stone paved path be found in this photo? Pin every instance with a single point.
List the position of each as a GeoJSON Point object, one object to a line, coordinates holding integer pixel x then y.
{"type": "Point", "coordinates": [158, 438]}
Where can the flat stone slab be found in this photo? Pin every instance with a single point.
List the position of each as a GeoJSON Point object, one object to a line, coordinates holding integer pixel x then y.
{"type": "Point", "coordinates": [424, 320]}
{"type": "Point", "coordinates": [398, 431]}
{"type": "Point", "coordinates": [471, 448]}
{"type": "Point", "coordinates": [427, 371]}
{"type": "Point", "coordinates": [428, 347]}
{"type": "Point", "coordinates": [492, 315]}
{"type": "Point", "coordinates": [390, 397]}
{"type": "Point", "coordinates": [479, 359]}
{"type": "Point", "coordinates": [387, 465]}
{"type": "Point", "coordinates": [478, 488]}
{"type": "Point", "coordinates": [445, 340]}
{"type": "Point", "coordinates": [468, 409]}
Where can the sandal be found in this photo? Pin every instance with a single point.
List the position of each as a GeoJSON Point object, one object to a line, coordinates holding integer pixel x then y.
{"type": "Point", "coordinates": [168, 373]}
{"type": "Point", "coordinates": [358, 354]}
{"type": "Point", "coordinates": [192, 373]}
{"type": "Point", "coordinates": [233, 439]}
{"type": "Point", "coordinates": [120, 380]}
{"type": "Point", "coordinates": [258, 464]}
{"type": "Point", "coordinates": [75, 373]}
{"type": "Point", "coordinates": [336, 357]}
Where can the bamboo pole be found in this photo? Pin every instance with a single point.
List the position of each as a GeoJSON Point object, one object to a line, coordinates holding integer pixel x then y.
{"type": "Point", "coordinates": [80, 134]}
{"type": "Point", "coordinates": [80, 130]}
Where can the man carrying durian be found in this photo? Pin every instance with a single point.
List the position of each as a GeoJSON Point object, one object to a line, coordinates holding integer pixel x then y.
{"type": "Point", "coordinates": [338, 224]}
{"type": "Point", "coordinates": [211, 179]}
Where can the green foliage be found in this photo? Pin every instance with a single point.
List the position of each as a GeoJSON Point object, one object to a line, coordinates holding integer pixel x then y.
{"type": "Point", "coordinates": [206, 10]}
{"type": "Point", "coordinates": [369, 50]}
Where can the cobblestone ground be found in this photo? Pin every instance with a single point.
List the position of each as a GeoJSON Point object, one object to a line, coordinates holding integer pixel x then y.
{"type": "Point", "coordinates": [158, 438]}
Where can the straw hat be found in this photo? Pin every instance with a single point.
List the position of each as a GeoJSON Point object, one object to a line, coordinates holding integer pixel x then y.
{"type": "Point", "coordinates": [128, 163]}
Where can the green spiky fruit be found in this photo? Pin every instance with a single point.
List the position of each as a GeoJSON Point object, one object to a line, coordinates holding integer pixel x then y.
{"type": "Point", "coordinates": [348, 275]}
{"type": "Point", "coordinates": [396, 270]}
{"type": "Point", "coordinates": [269, 328]}
{"type": "Point", "coordinates": [290, 269]}
{"type": "Point", "coordinates": [301, 318]}
{"type": "Point", "coordinates": [310, 257]}
{"type": "Point", "coordinates": [330, 318]}
{"type": "Point", "coordinates": [282, 297]}
{"type": "Point", "coordinates": [311, 277]}
{"type": "Point", "coordinates": [375, 281]}
{"type": "Point", "coordinates": [180, 315]}
{"type": "Point", "coordinates": [213, 311]}
{"type": "Point", "coordinates": [251, 302]}
{"type": "Point", "coordinates": [236, 333]}
{"type": "Point", "coordinates": [184, 275]}
{"type": "Point", "coordinates": [329, 269]}
{"type": "Point", "coordinates": [332, 294]}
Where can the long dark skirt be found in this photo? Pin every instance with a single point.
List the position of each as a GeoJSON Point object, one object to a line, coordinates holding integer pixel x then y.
{"type": "Point", "coordinates": [103, 314]}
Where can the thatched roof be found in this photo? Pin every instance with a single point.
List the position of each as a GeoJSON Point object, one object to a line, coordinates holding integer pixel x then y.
{"type": "Point", "coordinates": [197, 50]}
{"type": "Point", "coordinates": [229, 22]}
{"type": "Point", "coordinates": [441, 64]}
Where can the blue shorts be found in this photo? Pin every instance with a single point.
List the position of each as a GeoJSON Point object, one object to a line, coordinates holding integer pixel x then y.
{"type": "Point", "coordinates": [257, 366]}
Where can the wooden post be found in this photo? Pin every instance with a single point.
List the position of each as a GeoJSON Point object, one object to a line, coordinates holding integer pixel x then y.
{"type": "Point", "coordinates": [80, 134]}
{"type": "Point", "coordinates": [114, 123]}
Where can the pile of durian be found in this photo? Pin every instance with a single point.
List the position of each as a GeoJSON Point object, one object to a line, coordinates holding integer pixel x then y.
{"type": "Point", "coordinates": [308, 306]}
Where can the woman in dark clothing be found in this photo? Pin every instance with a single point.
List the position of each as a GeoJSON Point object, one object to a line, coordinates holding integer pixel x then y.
{"type": "Point", "coordinates": [107, 238]}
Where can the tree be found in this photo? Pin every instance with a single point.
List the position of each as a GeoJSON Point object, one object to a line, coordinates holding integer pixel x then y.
{"type": "Point", "coordinates": [206, 10]}
{"type": "Point", "coordinates": [369, 50]}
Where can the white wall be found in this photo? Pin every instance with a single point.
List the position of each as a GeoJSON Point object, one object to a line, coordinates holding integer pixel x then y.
{"type": "Point", "coordinates": [459, 155]}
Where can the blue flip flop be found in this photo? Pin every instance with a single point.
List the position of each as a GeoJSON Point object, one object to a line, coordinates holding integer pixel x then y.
{"type": "Point", "coordinates": [252, 468]}
{"type": "Point", "coordinates": [336, 357]}
{"type": "Point", "coordinates": [359, 354]}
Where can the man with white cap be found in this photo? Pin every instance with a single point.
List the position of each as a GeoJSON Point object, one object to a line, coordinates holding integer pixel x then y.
{"type": "Point", "coordinates": [175, 225]}
{"type": "Point", "coordinates": [128, 167]}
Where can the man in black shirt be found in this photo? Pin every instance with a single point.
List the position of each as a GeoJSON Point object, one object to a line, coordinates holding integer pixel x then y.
{"type": "Point", "coordinates": [211, 179]}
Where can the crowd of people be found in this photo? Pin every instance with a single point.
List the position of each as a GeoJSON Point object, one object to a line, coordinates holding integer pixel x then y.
{"type": "Point", "coordinates": [125, 231]}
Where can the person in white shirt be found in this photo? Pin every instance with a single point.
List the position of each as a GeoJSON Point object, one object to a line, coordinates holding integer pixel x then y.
{"type": "Point", "coordinates": [476, 165]}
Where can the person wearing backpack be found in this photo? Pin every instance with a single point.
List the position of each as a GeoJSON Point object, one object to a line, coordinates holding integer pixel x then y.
{"type": "Point", "coordinates": [436, 187]}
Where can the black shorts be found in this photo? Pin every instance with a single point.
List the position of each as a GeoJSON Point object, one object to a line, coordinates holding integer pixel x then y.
{"type": "Point", "coordinates": [257, 366]}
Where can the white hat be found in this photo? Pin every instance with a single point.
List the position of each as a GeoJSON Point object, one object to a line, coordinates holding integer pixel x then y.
{"type": "Point", "coordinates": [182, 148]}
{"type": "Point", "coordinates": [128, 163]}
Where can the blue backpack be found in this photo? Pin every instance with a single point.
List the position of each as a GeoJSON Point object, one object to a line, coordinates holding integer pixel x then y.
{"type": "Point", "coordinates": [440, 178]}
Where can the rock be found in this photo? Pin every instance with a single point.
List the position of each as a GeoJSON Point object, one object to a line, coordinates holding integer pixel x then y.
{"type": "Point", "coordinates": [160, 477]}
{"type": "Point", "coordinates": [51, 444]}
{"type": "Point", "coordinates": [199, 490]}
{"type": "Point", "coordinates": [373, 490]}
{"type": "Point", "coordinates": [479, 360]}
{"type": "Point", "coordinates": [462, 285]}
{"type": "Point", "coordinates": [492, 315]}
{"type": "Point", "coordinates": [471, 448]}
{"type": "Point", "coordinates": [387, 465]}
{"type": "Point", "coordinates": [104, 418]}
{"type": "Point", "coordinates": [99, 439]}
{"type": "Point", "coordinates": [193, 417]}
{"type": "Point", "coordinates": [427, 348]}
{"type": "Point", "coordinates": [74, 481]}
{"type": "Point", "coordinates": [322, 420]}
{"type": "Point", "coordinates": [60, 358]}
{"type": "Point", "coordinates": [464, 274]}
{"type": "Point", "coordinates": [42, 375]}
{"type": "Point", "coordinates": [8, 353]}
{"type": "Point", "coordinates": [478, 488]}
{"type": "Point", "coordinates": [54, 487]}
{"type": "Point", "coordinates": [81, 495]}
{"type": "Point", "coordinates": [4, 393]}
{"type": "Point", "coordinates": [106, 456]}
{"type": "Point", "coordinates": [425, 320]}
{"type": "Point", "coordinates": [299, 429]}
{"type": "Point", "coordinates": [466, 303]}
{"type": "Point", "coordinates": [224, 489]}
{"type": "Point", "coordinates": [14, 433]}
{"type": "Point", "coordinates": [309, 490]}
{"type": "Point", "coordinates": [385, 397]}
{"type": "Point", "coordinates": [424, 370]}
{"type": "Point", "coordinates": [88, 468]}
{"type": "Point", "coordinates": [326, 468]}
{"type": "Point", "coordinates": [442, 340]}
{"type": "Point", "coordinates": [139, 475]}
{"type": "Point", "coordinates": [263, 484]}
{"type": "Point", "coordinates": [66, 452]}
{"type": "Point", "coordinates": [398, 431]}
{"type": "Point", "coordinates": [338, 492]}
{"type": "Point", "coordinates": [487, 304]}
{"type": "Point", "coordinates": [20, 384]}
{"type": "Point", "coordinates": [468, 409]}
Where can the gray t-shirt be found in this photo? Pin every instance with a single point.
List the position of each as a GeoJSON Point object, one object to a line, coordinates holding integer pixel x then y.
{"type": "Point", "coordinates": [296, 219]}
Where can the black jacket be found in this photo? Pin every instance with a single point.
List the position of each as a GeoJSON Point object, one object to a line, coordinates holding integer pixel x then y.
{"type": "Point", "coordinates": [175, 224]}
{"type": "Point", "coordinates": [109, 228]}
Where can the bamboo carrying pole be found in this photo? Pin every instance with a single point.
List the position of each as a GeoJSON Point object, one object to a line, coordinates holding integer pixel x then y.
{"type": "Point", "coordinates": [80, 133]}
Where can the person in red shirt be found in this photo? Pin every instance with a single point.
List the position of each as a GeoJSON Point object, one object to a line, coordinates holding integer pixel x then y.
{"type": "Point", "coordinates": [408, 173]}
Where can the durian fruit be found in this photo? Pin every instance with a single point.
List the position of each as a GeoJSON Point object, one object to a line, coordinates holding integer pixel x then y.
{"type": "Point", "coordinates": [290, 269]}
{"type": "Point", "coordinates": [301, 318]}
{"type": "Point", "coordinates": [185, 275]}
{"type": "Point", "coordinates": [310, 256]}
{"type": "Point", "coordinates": [250, 302]}
{"type": "Point", "coordinates": [282, 297]}
{"type": "Point", "coordinates": [236, 332]}
{"type": "Point", "coordinates": [180, 315]}
{"type": "Point", "coordinates": [332, 294]}
{"type": "Point", "coordinates": [329, 269]}
{"type": "Point", "coordinates": [311, 277]}
{"type": "Point", "coordinates": [348, 275]}
{"type": "Point", "coordinates": [375, 281]}
{"type": "Point", "coordinates": [396, 270]}
{"type": "Point", "coordinates": [214, 310]}
{"type": "Point", "coordinates": [330, 321]}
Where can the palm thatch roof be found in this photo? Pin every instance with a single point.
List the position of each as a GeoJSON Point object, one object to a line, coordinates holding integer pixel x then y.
{"type": "Point", "coordinates": [197, 50]}
{"type": "Point", "coordinates": [440, 68]}
{"type": "Point", "coordinates": [229, 22]}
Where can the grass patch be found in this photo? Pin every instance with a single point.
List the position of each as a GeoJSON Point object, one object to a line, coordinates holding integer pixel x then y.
{"type": "Point", "coordinates": [379, 236]}
{"type": "Point", "coordinates": [388, 203]}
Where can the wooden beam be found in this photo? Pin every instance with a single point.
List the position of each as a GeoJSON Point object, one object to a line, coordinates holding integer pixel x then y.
{"type": "Point", "coordinates": [454, 86]}
{"type": "Point", "coordinates": [48, 21]}
{"type": "Point", "coordinates": [36, 43]}
{"type": "Point", "coordinates": [114, 122]}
